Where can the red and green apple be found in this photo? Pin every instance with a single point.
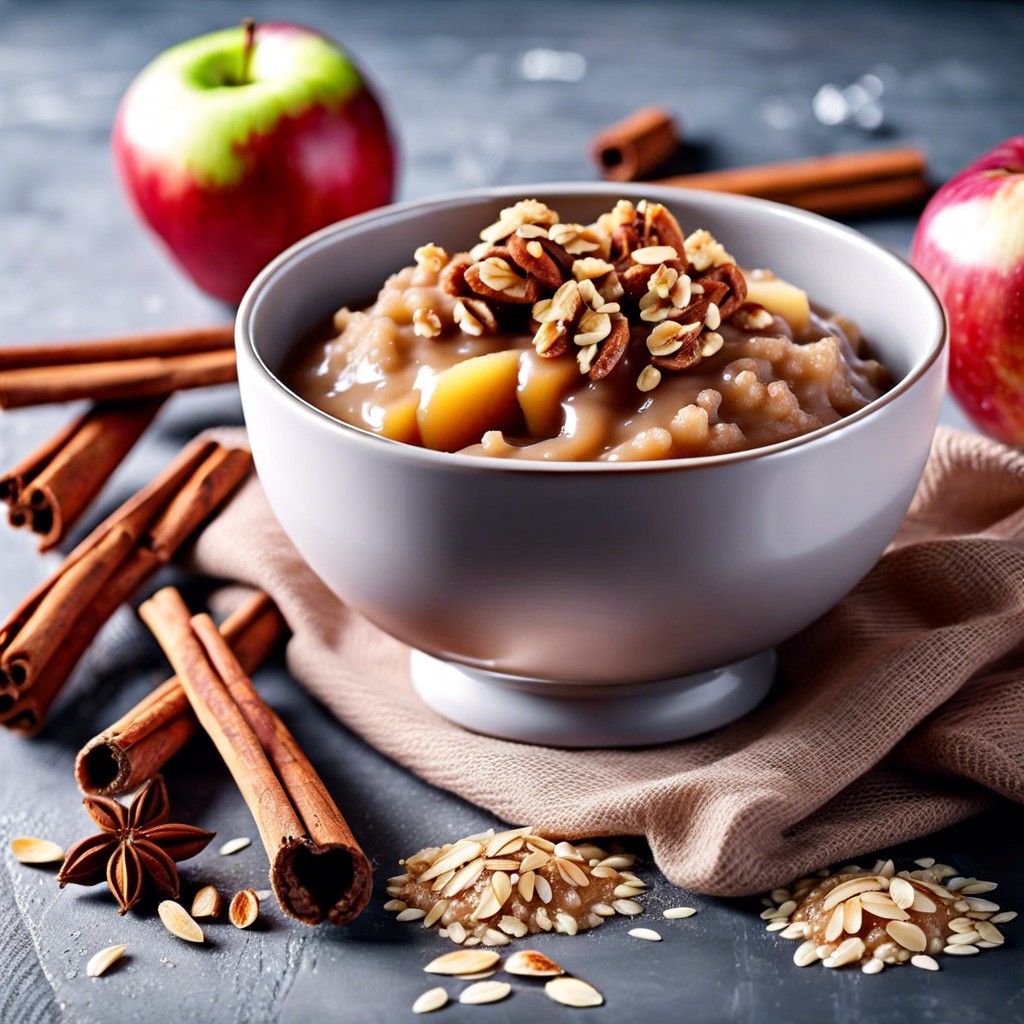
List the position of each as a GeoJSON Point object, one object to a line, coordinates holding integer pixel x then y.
{"type": "Point", "coordinates": [236, 144]}
{"type": "Point", "coordinates": [969, 245]}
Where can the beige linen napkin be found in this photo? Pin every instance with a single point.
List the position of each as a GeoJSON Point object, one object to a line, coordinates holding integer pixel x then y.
{"type": "Point", "coordinates": [897, 713]}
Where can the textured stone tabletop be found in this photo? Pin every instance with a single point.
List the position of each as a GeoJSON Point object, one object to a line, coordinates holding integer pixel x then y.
{"type": "Point", "coordinates": [481, 93]}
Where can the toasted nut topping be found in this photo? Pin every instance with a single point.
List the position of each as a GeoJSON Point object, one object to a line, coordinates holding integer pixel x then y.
{"type": "Point", "coordinates": [590, 267]}
{"type": "Point", "coordinates": [512, 218]}
{"type": "Point", "coordinates": [649, 379]}
{"type": "Point", "coordinates": [703, 250]}
{"type": "Point", "coordinates": [712, 343]}
{"type": "Point", "coordinates": [469, 323]}
{"type": "Point", "coordinates": [652, 255]}
{"type": "Point", "coordinates": [431, 258]}
{"type": "Point", "coordinates": [426, 323]}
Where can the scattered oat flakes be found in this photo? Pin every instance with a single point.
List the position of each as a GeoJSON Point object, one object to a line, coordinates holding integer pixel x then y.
{"type": "Point", "coordinates": [432, 999]}
{"type": "Point", "coordinates": [463, 961]}
{"type": "Point", "coordinates": [100, 961]}
{"type": "Point", "coordinates": [573, 992]}
{"type": "Point", "coordinates": [234, 846]}
{"type": "Point", "coordinates": [485, 992]}
{"type": "Point", "coordinates": [675, 913]}
{"type": "Point", "coordinates": [29, 850]}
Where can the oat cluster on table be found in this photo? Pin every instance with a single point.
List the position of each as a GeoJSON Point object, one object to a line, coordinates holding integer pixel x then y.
{"type": "Point", "coordinates": [488, 889]}
{"type": "Point", "coordinates": [877, 917]}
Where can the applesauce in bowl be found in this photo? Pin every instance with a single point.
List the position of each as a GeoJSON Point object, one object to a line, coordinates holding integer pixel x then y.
{"type": "Point", "coordinates": [619, 340]}
{"type": "Point", "coordinates": [588, 601]}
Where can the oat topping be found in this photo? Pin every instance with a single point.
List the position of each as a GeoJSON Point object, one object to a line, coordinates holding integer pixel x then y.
{"type": "Point", "coordinates": [879, 917]}
{"type": "Point", "coordinates": [590, 285]}
{"type": "Point", "coordinates": [491, 888]}
{"type": "Point", "coordinates": [431, 258]}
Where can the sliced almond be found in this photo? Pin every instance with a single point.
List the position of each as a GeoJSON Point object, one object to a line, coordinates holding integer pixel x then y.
{"type": "Point", "coordinates": [485, 992]}
{"type": "Point", "coordinates": [908, 935]}
{"type": "Point", "coordinates": [853, 887]}
{"type": "Point", "coordinates": [500, 839]}
{"type": "Point", "coordinates": [847, 952]}
{"type": "Point", "coordinates": [834, 927]}
{"type": "Point", "coordinates": [926, 963]}
{"type": "Point", "coordinates": [29, 850]}
{"type": "Point", "coordinates": [435, 913]}
{"type": "Point", "coordinates": [852, 915]}
{"type": "Point", "coordinates": [177, 921]}
{"type": "Point", "coordinates": [463, 961]}
{"type": "Point", "coordinates": [902, 893]}
{"type": "Point", "coordinates": [100, 961]}
{"type": "Point", "coordinates": [572, 992]}
{"type": "Point", "coordinates": [461, 853]}
{"type": "Point", "coordinates": [432, 999]}
{"type": "Point", "coordinates": [208, 903]}
{"type": "Point", "coordinates": [410, 914]}
{"type": "Point", "coordinates": [648, 934]}
{"type": "Point", "coordinates": [806, 954]}
{"type": "Point", "coordinates": [463, 878]}
{"type": "Point", "coordinates": [627, 907]}
{"type": "Point", "coordinates": [532, 964]}
{"type": "Point", "coordinates": [572, 873]}
{"type": "Point", "coordinates": [244, 909]}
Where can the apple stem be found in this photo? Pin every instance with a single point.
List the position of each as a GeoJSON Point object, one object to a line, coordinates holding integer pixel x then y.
{"type": "Point", "coordinates": [249, 24]}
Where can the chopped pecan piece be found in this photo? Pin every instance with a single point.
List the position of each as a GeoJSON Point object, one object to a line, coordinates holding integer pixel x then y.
{"type": "Point", "coordinates": [731, 276]}
{"type": "Point", "coordinates": [453, 277]}
{"type": "Point", "coordinates": [535, 257]}
{"type": "Point", "coordinates": [613, 348]}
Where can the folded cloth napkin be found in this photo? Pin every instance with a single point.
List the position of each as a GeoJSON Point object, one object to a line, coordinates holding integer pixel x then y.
{"type": "Point", "coordinates": [897, 713]}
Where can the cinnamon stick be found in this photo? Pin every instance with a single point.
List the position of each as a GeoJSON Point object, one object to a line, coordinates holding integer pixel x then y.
{"type": "Point", "coordinates": [50, 489]}
{"type": "Point", "coordinates": [138, 744]}
{"type": "Point", "coordinates": [44, 637]}
{"type": "Point", "coordinates": [115, 379]}
{"type": "Point", "coordinates": [636, 145]}
{"type": "Point", "coordinates": [317, 870]}
{"type": "Point", "coordinates": [127, 346]}
{"type": "Point", "coordinates": [842, 183]}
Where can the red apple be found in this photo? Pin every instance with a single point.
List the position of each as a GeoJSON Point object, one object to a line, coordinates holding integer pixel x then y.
{"type": "Point", "coordinates": [238, 143]}
{"type": "Point", "coordinates": [969, 245]}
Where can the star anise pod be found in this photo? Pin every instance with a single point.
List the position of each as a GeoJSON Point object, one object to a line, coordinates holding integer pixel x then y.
{"type": "Point", "coordinates": [135, 845]}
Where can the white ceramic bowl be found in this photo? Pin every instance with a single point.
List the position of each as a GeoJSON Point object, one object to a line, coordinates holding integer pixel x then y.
{"type": "Point", "coordinates": [580, 581]}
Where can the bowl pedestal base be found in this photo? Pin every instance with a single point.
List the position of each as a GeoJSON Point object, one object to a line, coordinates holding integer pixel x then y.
{"type": "Point", "coordinates": [565, 714]}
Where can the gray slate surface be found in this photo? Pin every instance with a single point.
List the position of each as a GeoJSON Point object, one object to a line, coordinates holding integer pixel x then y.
{"type": "Point", "coordinates": [455, 76]}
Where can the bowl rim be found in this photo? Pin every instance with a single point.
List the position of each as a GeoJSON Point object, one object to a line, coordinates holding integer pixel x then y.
{"type": "Point", "coordinates": [246, 346]}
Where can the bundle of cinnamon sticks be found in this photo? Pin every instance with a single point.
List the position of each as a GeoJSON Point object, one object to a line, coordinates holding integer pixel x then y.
{"type": "Point", "coordinates": [318, 871]}
{"type": "Point", "coordinates": [128, 379]}
{"type": "Point", "coordinates": [43, 639]}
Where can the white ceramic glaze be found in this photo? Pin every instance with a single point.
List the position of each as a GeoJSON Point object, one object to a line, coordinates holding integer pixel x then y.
{"type": "Point", "coordinates": [588, 572]}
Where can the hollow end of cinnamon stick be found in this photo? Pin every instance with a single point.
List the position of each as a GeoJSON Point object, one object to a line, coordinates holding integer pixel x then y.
{"type": "Point", "coordinates": [101, 767]}
{"type": "Point", "coordinates": [321, 882]}
{"type": "Point", "coordinates": [635, 146]}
